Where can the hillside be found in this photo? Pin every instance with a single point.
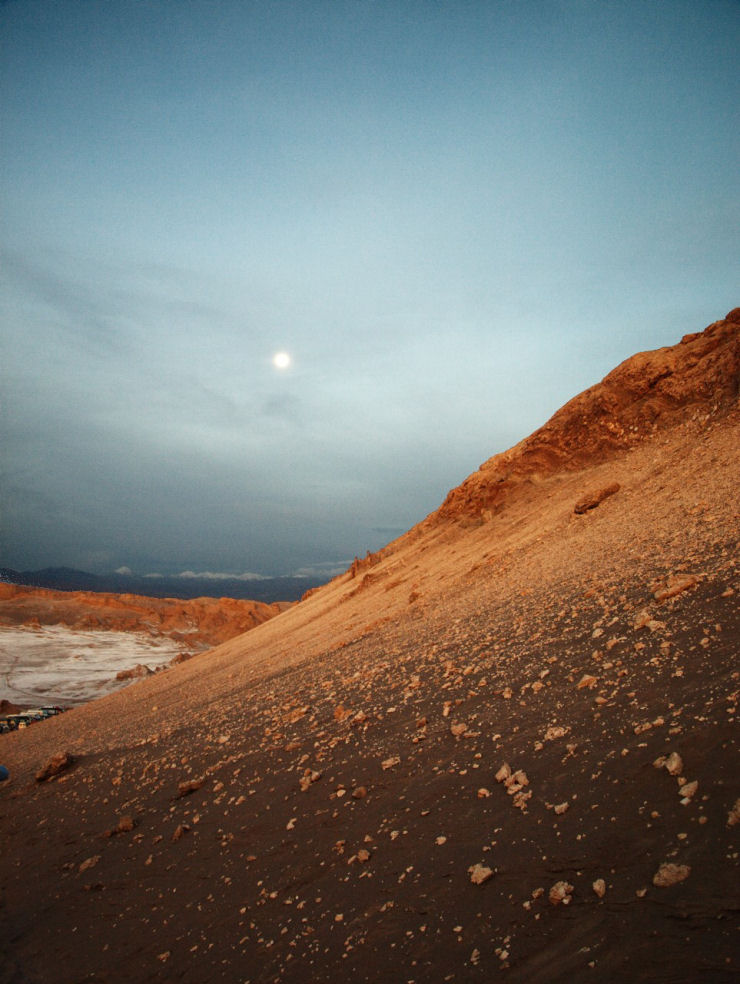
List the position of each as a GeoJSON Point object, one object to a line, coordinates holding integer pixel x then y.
{"type": "Point", "coordinates": [505, 744]}
{"type": "Point", "coordinates": [197, 624]}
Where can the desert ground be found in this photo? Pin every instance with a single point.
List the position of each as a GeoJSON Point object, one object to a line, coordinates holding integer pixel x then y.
{"type": "Point", "coordinates": [504, 747]}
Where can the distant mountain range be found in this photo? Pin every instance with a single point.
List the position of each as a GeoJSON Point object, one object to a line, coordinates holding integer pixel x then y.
{"type": "Point", "coordinates": [67, 579]}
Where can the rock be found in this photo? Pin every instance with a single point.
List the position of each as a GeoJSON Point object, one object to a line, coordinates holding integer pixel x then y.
{"type": "Point", "coordinates": [561, 892]}
{"type": "Point", "coordinates": [483, 793]}
{"type": "Point", "coordinates": [309, 777]}
{"type": "Point", "coordinates": [359, 792]}
{"type": "Point", "coordinates": [363, 855]}
{"type": "Point", "coordinates": [671, 874]}
{"type": "Point", "coordinates": [89, 863]}
{"type": "Point", "coordinates": [733, 816]}
{"type": "Point", "coordinates": [389, 763]}
{"type": "Point", "coordinates": [520, 800]}
{"type": "Point", "coordinates": [561, 808]}
{"type": "Point", "coordinates": [688, 789]}
{"type": "Point", "coordinates": [516, 781]}
{"type": "Point", "coordinates": [599, 887]}
{"type": "Point", "coordinates": [503, 773]}
{"type": "Point", "coordinates": [59, 763]}
{"type": "Point", "coordinates": [180, 831]}
{"type": "Point", "coordinates": [587, 681]}
{"type": "Point", "coordinates": [458, 730]}
{"type": "Point", "coordinates": [479, 874]}
{"type": "Point", "coordinates": [555, 731]}
{"type": "Point", "coordinates": [188, 786]}
{"type": "Point", "coordinates": [124, 826]}
{"type": "Point", "coordinates": [136, 672]}
{"type": "Point", "coordinates": [594, 499]}
{"type": "Point", "coordinates": [674, 764]}
{"type": "Point", "coordinates": [675, 585]}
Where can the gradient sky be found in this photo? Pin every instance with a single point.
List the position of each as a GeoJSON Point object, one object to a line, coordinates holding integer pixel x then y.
{"type": "Point", "coordinates": [453, 215]}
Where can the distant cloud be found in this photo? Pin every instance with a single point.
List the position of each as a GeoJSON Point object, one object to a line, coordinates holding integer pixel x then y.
{"type": "Point", "coordinates": [221, 576]}
{"type": "Point", "coordinates": [327, 570]}
{"type": "Point", "coordinates": [124, 570]}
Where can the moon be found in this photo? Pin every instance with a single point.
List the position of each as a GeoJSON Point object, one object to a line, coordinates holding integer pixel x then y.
{"type": "Point", "coordinates": [281, 360]}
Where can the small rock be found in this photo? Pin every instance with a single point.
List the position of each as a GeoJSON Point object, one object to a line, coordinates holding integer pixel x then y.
{"type": "Point", "coordinates": [458, 730]}
{"type": "Point", "coordinates": [309, 777]}
{"type": "Point", "coordinates": [89, 863]}
{"type": "Point", "coordinates": [733, 816]}
{"type": "Point", "coordinates": [483, 793]}
{"type": "Point", "coordinates": [125, 824]}
{"type": "Point", "coordinates": [56, 765]}
{"type": "Point", "coordinates": [674, 764]}
{"type": "Point", "coordinates": [599, 887]}
{"type": "Point", "coordinates": [136, 672]}
{"type": "Point", "coordinates": [671, 874]}
{"type": "Point", "coordinates": [675, 585]}
{"type": "Point", "coordinates": [561, 808]}
{"type": "Point", "coordinates": [688, 789]}
{"type": "Point", "coordinates": [587, 681]}
{"type": "Point", "coordinates": [594, 499]}
{"type": "Point", "coordinates": [189, 786]}
{"type": "Point", "coordinates": [561, 892]}
{"type": "Point", "coordinates": [479, 874]}
{"type": "Point", "coordinates": [359, 792]}
{"type": "Point", "coordinates": [503, 773]}
{"type": "Point", "coordinates": [180, 831]}
{"type": "Point", "coordinates": [389, 763]}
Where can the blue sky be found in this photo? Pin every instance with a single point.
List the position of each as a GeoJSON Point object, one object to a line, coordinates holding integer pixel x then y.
{"type": "Point", "coordinates": [453, 215]}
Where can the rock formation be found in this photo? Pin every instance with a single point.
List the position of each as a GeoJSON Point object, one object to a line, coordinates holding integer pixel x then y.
{"type": "Point", "coordinates": [197, 624]}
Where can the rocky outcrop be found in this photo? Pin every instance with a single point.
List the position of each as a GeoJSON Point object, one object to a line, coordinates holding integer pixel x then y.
{"type": "Point", "coordinates": [648, 392]}
{"type": "Point", "coordinates": [198, 623]}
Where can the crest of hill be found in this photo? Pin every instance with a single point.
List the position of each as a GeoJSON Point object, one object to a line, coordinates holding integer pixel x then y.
{"type": "Point", "coordinates": [646, 393]}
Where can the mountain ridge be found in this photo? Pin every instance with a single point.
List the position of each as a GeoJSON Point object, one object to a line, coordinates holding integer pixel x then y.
{"type": "Point", "coordinates": [264, 589]}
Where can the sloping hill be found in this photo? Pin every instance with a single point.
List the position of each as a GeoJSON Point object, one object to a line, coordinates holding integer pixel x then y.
{"type": "Point", "coordinates": [507, 743]}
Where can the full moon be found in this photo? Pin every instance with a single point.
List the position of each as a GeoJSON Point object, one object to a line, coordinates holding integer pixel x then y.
{"type": "Point", "coordinates": [281, 360]}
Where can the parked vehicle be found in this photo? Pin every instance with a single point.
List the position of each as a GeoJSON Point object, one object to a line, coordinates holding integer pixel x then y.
{"type": "Point", "coordinates": [15, 722]}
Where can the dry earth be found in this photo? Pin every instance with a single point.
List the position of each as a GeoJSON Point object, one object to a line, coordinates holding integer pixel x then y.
{"type": "Point", "coordinates": [504, 746]}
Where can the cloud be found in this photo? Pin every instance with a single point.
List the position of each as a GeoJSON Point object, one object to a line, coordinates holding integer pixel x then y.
{"type": "Point", "coordinates": [390, 531]}
{"type": "Point", "coordinates": [323, 570]}
{"type": "Point", "coordinates": [220, 576]}
{"type": "Point", "coordinates": [124, 570]}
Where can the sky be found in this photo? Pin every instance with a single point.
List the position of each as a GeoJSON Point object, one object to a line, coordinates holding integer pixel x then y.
{"type": "Point", "coordinates": [453, 216]}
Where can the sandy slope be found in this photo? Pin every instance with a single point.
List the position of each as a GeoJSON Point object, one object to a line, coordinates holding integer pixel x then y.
{"type": "Point", "coordinates": [345, 756]}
